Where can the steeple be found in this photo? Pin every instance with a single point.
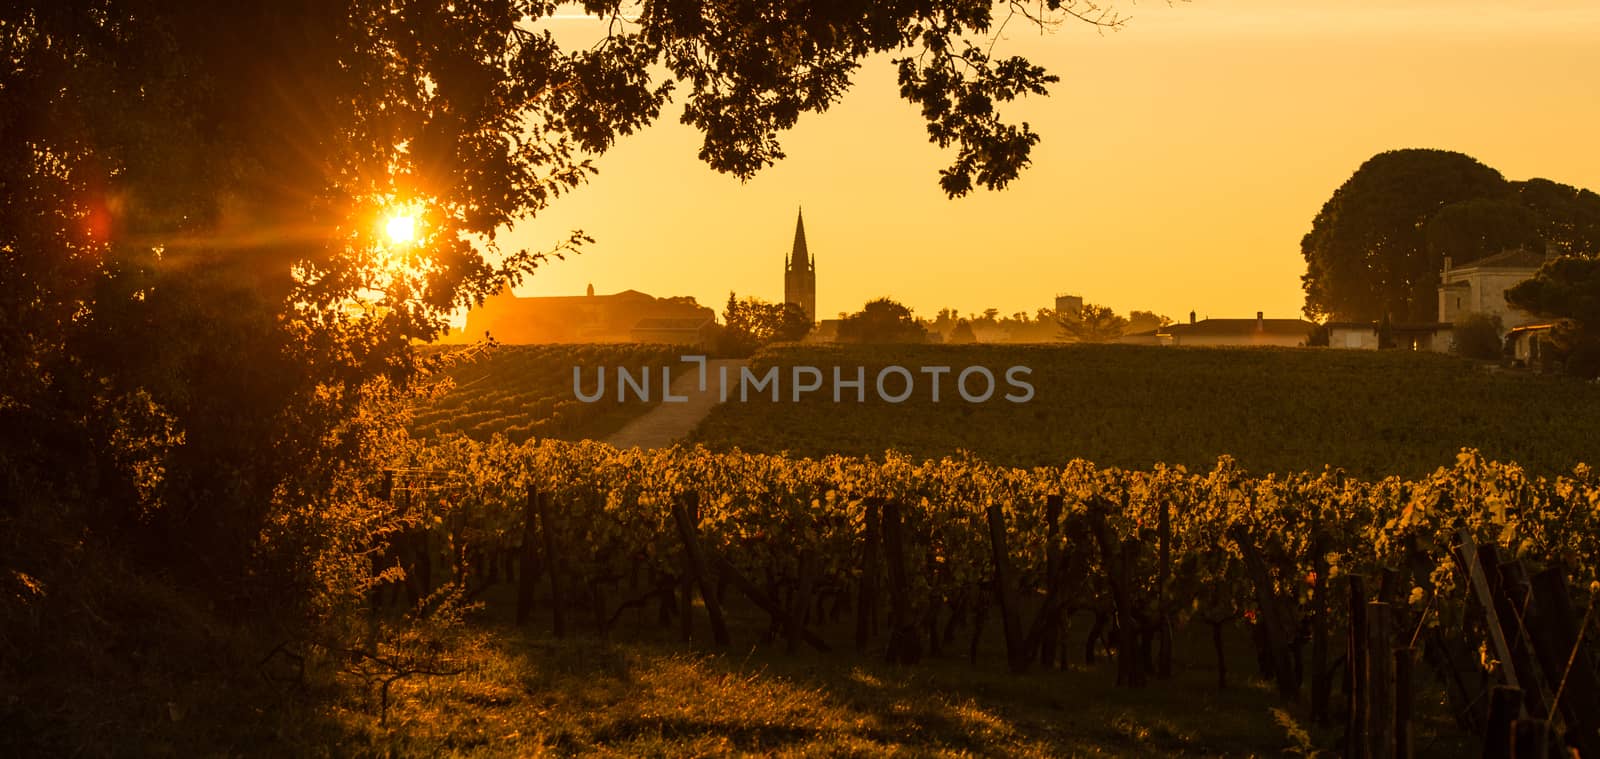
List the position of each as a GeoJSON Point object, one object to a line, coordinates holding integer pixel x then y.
{"type": "Point", "coordinates": [799, 257]}
{"type": "Point", "coordinates": [800, 272]}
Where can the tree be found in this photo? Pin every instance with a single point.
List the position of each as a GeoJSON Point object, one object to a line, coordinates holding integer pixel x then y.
{"type": "Point", "coordinates": [1378, 245]}
{"type": "Point", "coordinates": [1567, 218]}
{"type": "Point", "coordinates": [1567, 290]}
{"type": "Point", "coordinates": [962, 333]}
{"type": "Point", "coordinates": [1367, 254]}
{"type": "Point", "coordinates": [1477, 336]}
{"type": "Point", "coordinates": [1318, 336]}
{"type": "Point", "coordinates": [199, 297]}
{"type": "Point", "coordinates": [1094, 324]}
{"type": "Point", "coordinates": [1471, 229]}
{"type": "Point", "coordinates": [881, 321]}
{"type": "Point", "coordinates": [1145, 321]}
{"type": "Point", "coordinates": [752, 323]}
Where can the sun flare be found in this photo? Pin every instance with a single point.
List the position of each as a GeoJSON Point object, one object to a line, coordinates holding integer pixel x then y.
{"type": "Point", "coordinates": [401, 228]}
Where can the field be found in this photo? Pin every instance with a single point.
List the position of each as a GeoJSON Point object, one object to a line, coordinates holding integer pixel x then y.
{"type": "Point", "coordinates": [914, 582]}
{"type": "Point", "coordinates": [536, 593]}
{"type": "Point", "coordinates": [1373, 414]}
{"type": "Point", "coordinates": [524, 391]}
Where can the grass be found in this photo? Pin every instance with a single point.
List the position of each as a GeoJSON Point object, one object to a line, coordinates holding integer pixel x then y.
{"type": "Point", "coordinates": [531, 694]}
{"type": "Point", "coordinates": [1371, 413]}
{"type": "Point", "coordinates": [155, 674]}
{"type": "Point", "coordinates": [645, 694]}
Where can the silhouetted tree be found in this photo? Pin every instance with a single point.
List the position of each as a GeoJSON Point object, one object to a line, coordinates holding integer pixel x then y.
{"type": "Point", "coordinates": [1567, 218]}
{"type": "Point", "coordinates": [1379, 243]}
{"type": "Point", "coordinates": [1093, 324]}
{"type": "Point", "coordinates": [1471, 229]}
{"type": "Point", "coordinates": [1145, 321]}
{"type": "Point", "coordinates": [1366, 253]}
{"type": "Point", "coordinates": [962, 333]}
{"type": "Point", "coordinates": [881, 321]}
{"type": "Point", "coordinates": [752, 323]}
{"type": "Point", "coordinates": [1477, 336]}
{"type": "Point", "coordinates": [192, 198]}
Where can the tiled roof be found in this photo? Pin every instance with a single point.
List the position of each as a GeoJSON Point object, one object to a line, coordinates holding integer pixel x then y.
{"type": "Point", "coordinates": [1517, 258]}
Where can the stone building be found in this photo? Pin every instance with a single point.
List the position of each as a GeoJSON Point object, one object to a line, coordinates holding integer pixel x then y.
{"type": "Point", "coordinates": [1480, 287]}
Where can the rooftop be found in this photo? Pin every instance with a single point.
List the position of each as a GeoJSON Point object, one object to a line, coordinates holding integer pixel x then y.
{"type": "Point", "coordinates": [1516, 258]}
{"type": "Point", "coordinates": [1220, 327]}
{"type": "Point", "coordinates": [672, 323]}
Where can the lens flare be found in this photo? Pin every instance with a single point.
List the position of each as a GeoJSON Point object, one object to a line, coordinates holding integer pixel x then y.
{"type": "Point", "coordinates": [401, 229]}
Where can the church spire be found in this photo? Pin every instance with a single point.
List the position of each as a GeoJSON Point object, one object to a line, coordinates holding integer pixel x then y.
{"type": "Point", "coordinates": [799, 258]}
{"type": "Point", "coordinates": [800, 272]}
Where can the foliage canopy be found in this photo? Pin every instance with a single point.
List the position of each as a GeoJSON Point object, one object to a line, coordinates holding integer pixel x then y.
{"type": "Point", "coordinates": [196, 297]}
{"type": "Point", "coordinates": [1377, 246]}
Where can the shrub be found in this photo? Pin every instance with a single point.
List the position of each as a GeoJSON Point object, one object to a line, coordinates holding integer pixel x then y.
{"type": "Point", "coordinates": [1477, 336]}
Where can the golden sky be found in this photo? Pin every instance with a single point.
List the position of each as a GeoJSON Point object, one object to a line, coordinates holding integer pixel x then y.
{"type": "Point", "coordinates": [1182, 159]}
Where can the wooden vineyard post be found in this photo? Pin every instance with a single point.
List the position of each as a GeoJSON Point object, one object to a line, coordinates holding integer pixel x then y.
{"type": "Point", "coordinates": [931, 616]}
{"type": "Point", "coordinates": [1505, 702]}
{"type": "Point", "coordinates": [1480, 587]}
{"type": "Point", "coordinates": [800, 602]}
{"type": "Point", "coordinates": [525, 578]}
{"type": "Point", "coordinates": [1114, 559]}
{"type": "Point", "coordinates": [1380, 714]}
{"type": "Point", "coordinates": [1274, 623]}
{"type": "Point", "coordinates": [696, 569]}
{"type": "Point", "coordinates": [867, 597]}
{"type": "Point", "coordinates": [552, 560]}
{"type": "Point", "coordinates": [1355, 743]}
{"type": "Point", "coordinates": [903, 645]}
{"type": "Point", "coordinates": [1510, 599]}
{"type": "Point", "coordinates": [1321, 680]}
{"type": "Point", "coordinates": [1530, 739]}
{"type": "Point", "coordinates": [1163, 575]}
{"type": "Point", "coordinates": [1564, 655]}
{"type": "Point", "coordinates": [1044, 635]}
{"type": "Point", "coordinates": [1404, 699]}
{"type": "Point", "coordinates": [1006, 590]}
{"type": "Point", "coordinates": [1050, 636]}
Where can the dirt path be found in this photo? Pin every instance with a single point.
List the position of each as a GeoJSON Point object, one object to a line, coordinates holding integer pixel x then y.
{"type": "Point", "coordinates": [668, 423]}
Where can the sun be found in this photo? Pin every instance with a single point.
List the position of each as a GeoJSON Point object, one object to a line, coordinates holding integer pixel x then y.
{"type": "Point", "coordinates": [401, 228]}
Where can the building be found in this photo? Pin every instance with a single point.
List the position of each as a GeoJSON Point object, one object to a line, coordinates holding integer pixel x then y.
{"type": "Point", "coordinates": [1069, 305]}
{"type": "Point", "coordinates": [1259, 331]}
{"type": "Point", "coordinates": [1419, 336]}
{"type": "Point", "coordinates": [575, 318]}
{"type": "Point", "coordinates": [693, 330]}
{"type": "Point", "coordinates": [1529, 345]}
{"type": "Point", "coordinates": [1476, 288]}
{"type": "Point", "coordinates": [1480, 287]}
{"type": "Point", "coordinates": [800, 273]}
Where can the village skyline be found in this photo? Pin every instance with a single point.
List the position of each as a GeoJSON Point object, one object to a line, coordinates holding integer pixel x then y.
{"type": "Point", "coordinates": [1196, 200]}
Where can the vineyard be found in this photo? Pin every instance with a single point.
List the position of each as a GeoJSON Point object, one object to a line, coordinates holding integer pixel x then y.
{"type": "Point", "coordinates": [1372, 413]}
{"type": "Point", "coordinates": [1478, 580]}
{"type": "Point", "coordinates": [524, 391]}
